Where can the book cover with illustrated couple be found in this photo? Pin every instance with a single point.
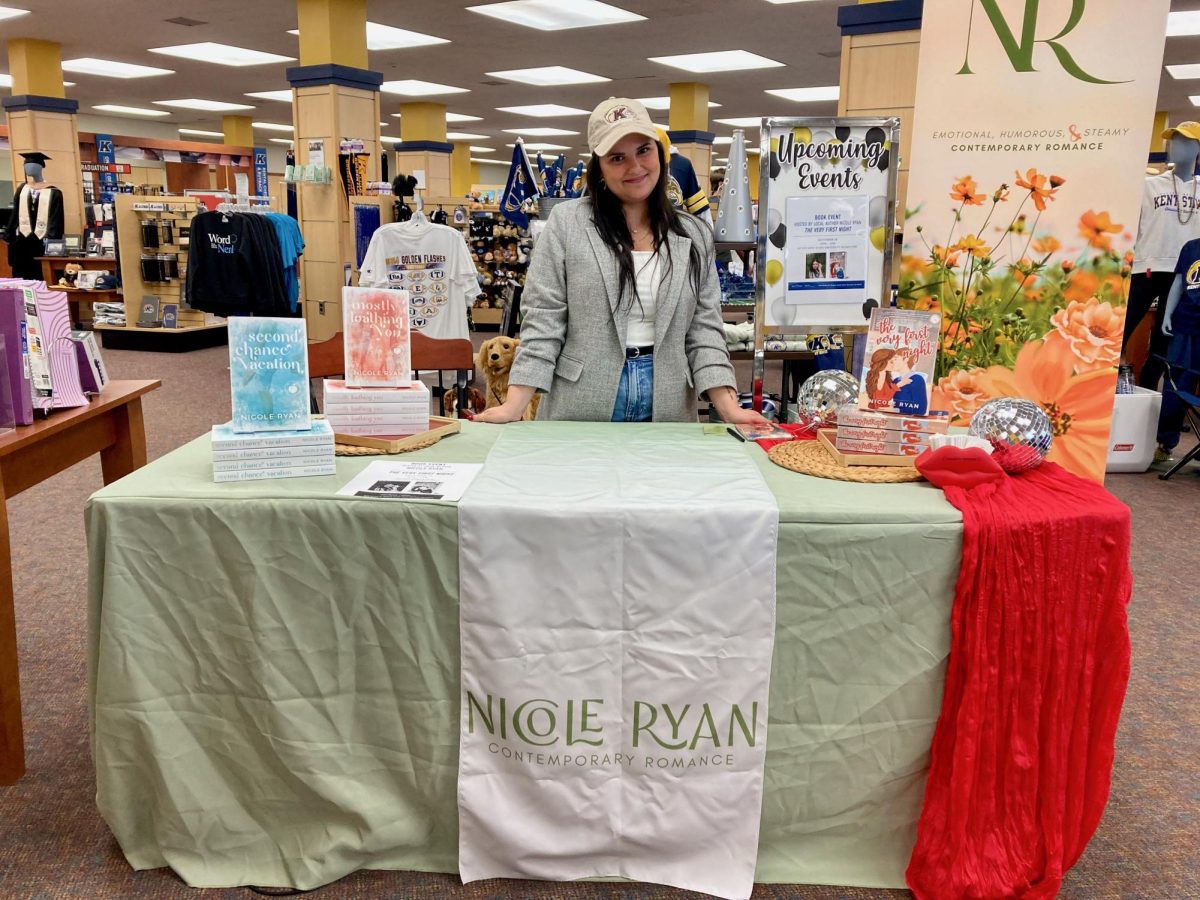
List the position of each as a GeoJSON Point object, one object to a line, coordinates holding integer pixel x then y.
{"type": "Point", "coordinates": [898, 362]}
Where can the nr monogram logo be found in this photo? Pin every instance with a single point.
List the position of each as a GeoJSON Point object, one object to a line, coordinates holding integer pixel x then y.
{"type": "Point", "coordinates": [1020, 50]}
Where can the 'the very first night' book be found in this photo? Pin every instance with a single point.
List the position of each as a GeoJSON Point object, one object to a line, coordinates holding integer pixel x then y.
{"type": "Point", "coordinates": [268, 373]}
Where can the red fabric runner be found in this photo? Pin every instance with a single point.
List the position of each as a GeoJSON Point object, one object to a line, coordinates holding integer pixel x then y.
{"type": "Point", "coordinates": [1023, 751]}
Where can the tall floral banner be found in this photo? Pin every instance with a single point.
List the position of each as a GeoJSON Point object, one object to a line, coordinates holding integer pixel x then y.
{"type": "Point", "coordinates": [1029, 144]}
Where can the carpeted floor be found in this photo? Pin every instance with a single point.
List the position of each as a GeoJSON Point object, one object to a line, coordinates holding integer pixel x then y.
{"type": "Point", "coordinates": [53, 843]}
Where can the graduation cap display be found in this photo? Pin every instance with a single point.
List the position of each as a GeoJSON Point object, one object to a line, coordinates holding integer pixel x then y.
{"type": "Point", "coordinates": [35, 157]}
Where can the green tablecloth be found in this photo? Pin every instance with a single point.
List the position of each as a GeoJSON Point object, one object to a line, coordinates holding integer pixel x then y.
{"type": "Point", "coordinates": [274, 671]}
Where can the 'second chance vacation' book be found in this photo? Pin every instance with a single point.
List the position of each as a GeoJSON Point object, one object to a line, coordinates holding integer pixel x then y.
{"type": "Point", "coordinates": [898, 363]}
{"type": "Point", "coordinates": [268, 373]}
{"type": "Point", "coordinates": [225, 438]}
{"type": "Point", "coordinates": [375, 325]}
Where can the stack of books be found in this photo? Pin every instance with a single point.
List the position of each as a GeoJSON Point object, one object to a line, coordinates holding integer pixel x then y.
{"type": "Point", "coordinates": [377, 411]}
{"type": "Point", "coordinates": [248, 456]}
{"type": "Point", "coordinates": [862, 431]}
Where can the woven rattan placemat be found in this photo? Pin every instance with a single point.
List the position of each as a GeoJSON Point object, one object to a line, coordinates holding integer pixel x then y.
{"type": "Point", "coordinates": [350, 450]}
{"type": "Point", "coordinates": [810, 458]}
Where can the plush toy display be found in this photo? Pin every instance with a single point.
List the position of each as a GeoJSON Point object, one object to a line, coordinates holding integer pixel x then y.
{"type": "Point", "coordinates": [475, 401]}
{"type": "Point", "coordinates": [70, 273]}
{"type": "Point", "coordinates": [494, 360]}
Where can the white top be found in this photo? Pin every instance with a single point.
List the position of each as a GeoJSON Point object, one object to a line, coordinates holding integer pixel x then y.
{"type": "Point", "coordinates": [433, 264]}
{"type": "Point", "coordinates": [641, 316]}
{"type": "Point", "coordinates": [1160, 233]}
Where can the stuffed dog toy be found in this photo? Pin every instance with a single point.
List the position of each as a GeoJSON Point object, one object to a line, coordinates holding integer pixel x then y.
{"type": "Point", "coordinates": [494, 360]}
{"type": "Point", "coordinates": [476, 402]}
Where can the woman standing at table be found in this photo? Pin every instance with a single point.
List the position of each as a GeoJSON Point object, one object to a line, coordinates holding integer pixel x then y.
{"type": "Point", "coordinates": [622, 310]}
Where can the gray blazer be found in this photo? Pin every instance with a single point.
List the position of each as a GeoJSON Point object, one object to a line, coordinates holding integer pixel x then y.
{"type": "Point", "coordinates": [573, 329]}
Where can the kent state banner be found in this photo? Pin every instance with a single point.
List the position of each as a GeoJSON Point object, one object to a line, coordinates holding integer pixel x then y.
{"type": "Point", "coordinates": [1031, 132]}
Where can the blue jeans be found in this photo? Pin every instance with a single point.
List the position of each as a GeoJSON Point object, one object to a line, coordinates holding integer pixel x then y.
{"type": "Point", "coordinates": [635, 393]}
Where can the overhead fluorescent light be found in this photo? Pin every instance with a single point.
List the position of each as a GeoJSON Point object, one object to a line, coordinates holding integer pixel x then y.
{"type": "Point", "coordinates": [281, 96]}
{"type": "Point", "coordinates": [530, 145]}
{"type": "Point", "coordinates": [389, 139]}
{"type": "Point", "coordinates": [557, 15]}
{"type": "Point", "coordinates": [130, 110]}
{"type": "Point", "coordinates": [412, 87]}
{"type": "Point", "coordinates": [544, 110]}
{"type": "Point", "coordinates": [287, 141]}
{"type": "Point", "coordinates": [808, 95]}
{"type": "Point", "coordinates": [205, 105]}
{"type": "Point", "coordinates": [717, 61]}
{"type": "Point", "coordinates": [271, 126]}
{"type": "Point", "coordinates": [202, 133]}
{"type": "Point", "coordinates": [110, 68]}
{"type": "Point", "coordinates": [475, 149]}
{"type": "Point", "coordinates": [1183, 72]}
{"type": "Point", "coordinates": [722, 141]}
{"type": "Point", "coordinates": [742, 122]}
{"type": "Point", "coordinates": [1184, 22]}
{"type": "Point", "coordinates": [1195, 100]}
{"type": "Point", "coordinates": [494, 162]}
{"type": "Point", "coordinates": [385, 37]}
{"type": "Point", "coordinates": [459, 117]}
{"type": "Point", "coordinates": [664, 103]}
{"type": "Point", "coordinates": [549, 76]}
{"type": "Point", "coordinates": [11, 12]}
{"type": "Point", "coordinates": [6, 81]}
{"type": "Point", "coordinates": [540, 132]}
{"type": "Point", "coordinates": [222, 54]}
{"type": "Point", "coordinates": [465, 136]}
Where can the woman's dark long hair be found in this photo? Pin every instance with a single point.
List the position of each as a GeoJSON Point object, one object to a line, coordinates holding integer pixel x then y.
{"type": "Point", "coordinates": [609, 220]}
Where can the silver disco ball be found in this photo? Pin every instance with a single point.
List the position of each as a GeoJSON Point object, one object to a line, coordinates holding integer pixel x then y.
{"type": "Point", "coordinates": [1018, 430]}
{"type": "Point", "coordinates": [821, 395]}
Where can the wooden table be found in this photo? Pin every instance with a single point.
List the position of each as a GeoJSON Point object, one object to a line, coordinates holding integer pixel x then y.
{"type": "Point", "coordinates": [110, 425]}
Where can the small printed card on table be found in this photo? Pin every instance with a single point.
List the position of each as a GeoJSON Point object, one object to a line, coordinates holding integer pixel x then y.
{"type": "Point", "coordinates": [424, 481]}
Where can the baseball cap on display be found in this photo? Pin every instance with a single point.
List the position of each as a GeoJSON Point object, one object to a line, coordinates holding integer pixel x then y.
{"type": "Point", "coordinates": [1186, 129]}
{"type": "Point", "coordinates": [615, 118]}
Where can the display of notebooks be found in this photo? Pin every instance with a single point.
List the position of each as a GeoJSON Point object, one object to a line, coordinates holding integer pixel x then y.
{"type": "Point", "coordinates": [898, 362]}
{"type": "Point", "coordinates": [375, 325]}
{"type": "Point", "coordinates": [268, 373]}
{"type": "Point", "coordinates": [16, 354]}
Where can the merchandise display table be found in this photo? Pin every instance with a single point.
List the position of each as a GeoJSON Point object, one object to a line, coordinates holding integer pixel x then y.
{"type": "Point", "coordinates": [274, 671]}
{"type": "Point", "coordinates": [110, 425]}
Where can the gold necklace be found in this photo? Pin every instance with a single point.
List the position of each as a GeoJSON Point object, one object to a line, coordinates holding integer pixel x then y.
{"type": "Point", "coordinates": [1179, 203]}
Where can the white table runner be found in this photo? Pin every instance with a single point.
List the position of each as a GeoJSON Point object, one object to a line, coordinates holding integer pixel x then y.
{"type": "Point", "coordinates": [617, 620]}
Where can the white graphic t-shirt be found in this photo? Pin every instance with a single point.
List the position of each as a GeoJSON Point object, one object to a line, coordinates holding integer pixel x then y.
{"type": "Point", "coordinates": [433, 264]}
{"type": "Point", "coordinates": [1161, 235]}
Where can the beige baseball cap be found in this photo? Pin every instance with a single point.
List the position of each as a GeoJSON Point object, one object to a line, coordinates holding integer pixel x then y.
{"type": "Point", "coordinates": [616, 118]}
{"type": "Point", "coordinates": [1187, 129]}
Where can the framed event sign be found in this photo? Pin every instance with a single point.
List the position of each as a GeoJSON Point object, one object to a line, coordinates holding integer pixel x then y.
{"type": "Point", "coordinates": [826, 213]}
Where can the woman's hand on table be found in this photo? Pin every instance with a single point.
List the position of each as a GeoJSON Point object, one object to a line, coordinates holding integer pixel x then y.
{"type": "Point", "coordinates": [725, 401]}
{"type": "Point", "coordinates": [746, 417]}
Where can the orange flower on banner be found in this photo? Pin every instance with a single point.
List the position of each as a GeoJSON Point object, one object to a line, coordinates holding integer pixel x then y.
{"type": "Point", "coordinates": [915, 265]}
{"type": "Point", "coordinates": [1092, 330]}
{"type": "Point", "coordinates": [947, 256]}
{"type": "Point", "coordinates": [974, 245]}
{"type": "Point", "coordinates": [961, 393]}
{"type": "Point", "coordinates": [1046, 244]}
{"type": "Point", "coordinates": [1079, 406]}
{"type": "Point", "coordinates": [964, 192]}
{"type": "Point", "coordinates": [1035, 183]}
{"type": "Point", "coordinates": [1023, 271]}
{"type": "Point", "coordinates": [1097, 228]}
{"type": "Point", "coordinates": [1034, 295]}
{"type": "Point", "coordinates": [1082, 286]}
{"type": "Point", "coordinates": [958, 337]}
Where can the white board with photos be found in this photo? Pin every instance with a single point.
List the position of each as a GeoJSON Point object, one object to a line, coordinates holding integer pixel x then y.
{"type": "Point", "coordinates": [826, 214]}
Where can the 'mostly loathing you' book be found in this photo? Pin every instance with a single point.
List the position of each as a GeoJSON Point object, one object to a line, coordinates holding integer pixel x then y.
{"type": "Point", "coordinates": [375, 326]}
{"type": "Point", "coordinates": [268, 374]}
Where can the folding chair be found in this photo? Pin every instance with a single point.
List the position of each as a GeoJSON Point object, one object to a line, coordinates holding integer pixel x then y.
{"type": "Point", "coordinates": [1191, 411]}
{"type": "Point", "coordinates": [327, 359]}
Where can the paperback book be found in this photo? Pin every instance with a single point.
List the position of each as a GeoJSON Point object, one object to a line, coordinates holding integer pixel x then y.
{"type": "Point", "coordinates": [225, 438]}
{"type": "Point", "coordinates": [292, 471]}
{"type": "Point", "coordinates": [899, 359]}
{"type": "Point", "coordinates": [268, 372]}
{"type": "Point", "coordinates": [412, 393]}
{"type": "Point", "coordinates": [375, 324]}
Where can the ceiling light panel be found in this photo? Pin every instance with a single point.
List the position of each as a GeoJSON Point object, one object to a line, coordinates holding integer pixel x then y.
{"type": "Point", "coordinates": [549, 76]}
{"type": "Point", "coordinates": [202, 133]}
{"type": "Point", "coordinates": [557, 15]}
{"type": "Point", "coordinates": [287, 141]}
{"type": "Point", "coordinates": [10, 12]}
{"type": "Point", "coordinates": [110, 68]}
{"type": "Point", "coordinates": [1195, 100]}
{"type": "Point", "coordinates": [807, 95]}
{"type": "Point", "coordinates": [205, 105]}
{"type": "Point", "coordinates": [544, 110]}
{"type": "Point", "coordinates": [271, 126]}
{"type": "Point", "coordinates": [530, 145]}
{"type": "Point", "coordinates": [743, 122]}
{"type": "Point", "coordinates": [130, 110]}
{"type": "Point", "coordinates": [416, 88]}
{"type": "Point", "coordinates": [1183, 72]}
{"type": "Point", "coordinates": [281, 96]}
{"type": "Point", "coordinates": [6, 81]}
{"type": "Point", "coordinates": [386, 37]}
{"type": "Point", "coordinates": [665, 103]}
{"type": "Point", "coordinates": [541, 132]}
{"type": "Point", "coordinates": [465, 136]}
{"type": "Point", "coordinates": [722, 140]}
{"type": "Point", "coordinates": [1184, 22]}
{"type": "Point", "coordinates": [222, 54]}
{"type": "Point", "coordinates": [494, 162]}
{"type": "Point", "coordinates": [475, 149]}
{"type": "Point", "coordinates": [717, 61]}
